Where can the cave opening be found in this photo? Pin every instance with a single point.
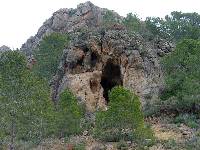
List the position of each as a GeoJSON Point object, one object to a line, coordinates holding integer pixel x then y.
{"type": "Point", "coordinates": [94, 59]}
{"type": "Point", "coordinates": [111, 77]}
{"type": "Point", "coordinates": [80, 61]}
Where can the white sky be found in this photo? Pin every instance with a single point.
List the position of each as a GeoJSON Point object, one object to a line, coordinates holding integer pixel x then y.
{"type": "Point", "coordinates": [20, 19]}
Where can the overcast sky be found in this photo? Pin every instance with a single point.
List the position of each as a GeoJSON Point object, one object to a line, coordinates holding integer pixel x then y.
{"type": "Point", "coordinates": [21, 19]}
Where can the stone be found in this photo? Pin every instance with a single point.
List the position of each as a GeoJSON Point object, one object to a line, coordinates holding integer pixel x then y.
{"type": "Point", "coordinates": [4, 48]}
{"type": "Point", "coordinates": [94, 66]}
{"type": "Point", "coordinates": [86, 15]}
{"type": "Point", "coordinates": [99, 58]}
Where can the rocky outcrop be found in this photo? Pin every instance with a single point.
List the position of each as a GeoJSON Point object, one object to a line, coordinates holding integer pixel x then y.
{"type": "Point", "coordinates": [4, 48]}
{"type": "Point", "coordinates": [99, 58]}
{"type": "Point", "coordinates": [85, 16]}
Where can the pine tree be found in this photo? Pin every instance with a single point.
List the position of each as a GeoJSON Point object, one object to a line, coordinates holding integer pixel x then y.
{"type": "Point", "coordinates": [68, 115]}
{"type": "Point", "coordinates": [24, 101]}
{"type": "Point", "coordinates": [123, 120]}
{"type": "Point", "coordinates": [48, 55]}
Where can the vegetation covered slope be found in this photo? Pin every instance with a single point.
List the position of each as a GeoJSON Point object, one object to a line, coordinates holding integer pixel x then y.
{"type": "Point", "coordinates": [27, 114]}
{"type": "Point", "coordinates": [182, 76]}
{"type": "Point", "coordinates": [48, 55]}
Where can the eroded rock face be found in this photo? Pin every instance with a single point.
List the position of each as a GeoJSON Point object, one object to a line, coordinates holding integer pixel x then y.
{"type": "Point", "coordinates": [86, 15]}
{"type": "Point", "coordinates": [4, 48]}
{"type": "Point", "coordinates": [86, 86]}
{"type": "Point", "coordinates": [99, 58]}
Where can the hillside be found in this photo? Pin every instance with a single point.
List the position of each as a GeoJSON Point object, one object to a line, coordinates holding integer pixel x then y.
{"type": "Point", "coordinates": [92, 79]}
{"type": "Point", "coordinates": [94, 49]}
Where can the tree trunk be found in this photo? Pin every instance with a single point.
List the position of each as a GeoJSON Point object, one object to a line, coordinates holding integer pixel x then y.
{"type": "Point", "coordinates": [12, 135]}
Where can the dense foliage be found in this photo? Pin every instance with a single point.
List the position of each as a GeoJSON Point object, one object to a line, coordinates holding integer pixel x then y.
{"type": "Point", "coordinates": [123, 120]}
{"type": "Point", "coordinates": [27, 113]}
{"type": "Point", "coordinates": [109, 19]}
{"type": "Point", "coordinates": [24, 101]}
{"type": "Point", "coordinates": [182, 71]}
{"type": "Point", "coordinates": [132, 22]}
{"type": "Point", "coordinates": [68, 115]}
{"type": "Point", "coordinates": [176, 26]}
{"type": "Point", "coordinates": [48, 54]}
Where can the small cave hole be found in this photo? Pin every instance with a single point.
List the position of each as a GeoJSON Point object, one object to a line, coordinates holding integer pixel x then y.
{"type": "Point", "coordinates": [80, 61]}
{"type": "Point", "coordinates": [77, 66]}
{"type": "Point", "coordinates": [94, 59]}
{"type": "Point", "coordinates": [85, 49]}
{"type": "Point", "coordinates": [111, 77]}
{"type": "Point", "coordinates": [93, 85]}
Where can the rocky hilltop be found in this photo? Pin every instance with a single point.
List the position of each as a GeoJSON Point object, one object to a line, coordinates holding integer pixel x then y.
{"type": "Point", "coordinates": [65, 20]}
{"type": "Point", "coordinates": [4, 48]}
{"type": "Point", "coordinates": [99, 58]}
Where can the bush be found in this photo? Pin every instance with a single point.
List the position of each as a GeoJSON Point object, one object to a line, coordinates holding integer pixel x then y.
{"type": "Point", "coordinates": [68, 115]}
{"type": "Point", "coordinates": [193, 144]}
{"type": "Point", "coordinates": [188, 119]}
{"type": "Point", "coordinates": [182, 76]}
{"type": "Point", "coordinates": [48, 54]}
{"type": "Point", "coordinates": [80, 146]}
{"type": "Point", "coordinates": [170, 144]}
{"type": "Point", "coordinates": [122, 145]}
{"type": "Point", "coordinates": [24, 101]}
{"type": "Point", "coordinates": [123, 120]}
{"type": "Point", "coordinates": [132, 22]}
{"type": "Point", "coordinates": [109, 19]}
{"type": "Point", "coordinates": [176, 26]}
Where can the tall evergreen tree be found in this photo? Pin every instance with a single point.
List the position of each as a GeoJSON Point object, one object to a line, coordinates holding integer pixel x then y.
{"type": "Point", "coordinates": [123, 120]}
{"type": "Point", "coordinates": [48, 54]}
{"type": "Point", "coordinates": [182, 76]}
{"type": "Point", "coordinates": [176, 26]}
{"type": "Point", "coordinates": [24, 101]}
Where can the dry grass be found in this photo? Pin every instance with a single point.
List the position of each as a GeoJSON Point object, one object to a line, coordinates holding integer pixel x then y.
{"type": "Point", "coordinates": [163, 133]}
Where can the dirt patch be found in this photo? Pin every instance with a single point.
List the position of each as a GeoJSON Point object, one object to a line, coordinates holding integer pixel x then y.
{"type": "Point", "coordinates": [163, 133]}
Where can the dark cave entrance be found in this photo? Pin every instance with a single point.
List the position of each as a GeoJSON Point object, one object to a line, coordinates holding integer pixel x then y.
{"type": "Point", "coordinates": [94, 59]}
{"type": "Point", "coordinates": [111, 77]}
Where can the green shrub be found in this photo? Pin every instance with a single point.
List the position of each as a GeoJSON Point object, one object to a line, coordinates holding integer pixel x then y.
{"type": "Point", "coordinates": [188, 119]}
{"type": "Point", "coordinates": [132, 22]}
{"type": "Point", "coordinates": [193, 144]}
{"type": "Point", "coordinates": [79, 147]}
{"type": "Point", "coordinates": [122, 145]}
{"type": "Point", "coordinates": [109, 19]}
{"type": "Point", "coordinates": [176, 26]}
{"type": "Point", "coordinates": [68, 115]}
{"type": "Point", "coordinates": [87, 124]}
{"type": "Point", "coordinates": [24, 101]}
{"type": "Point", "coordinates": [123, 120]}
{"type": "Point", "coordinates": [182, 76]}
{"type": "Point", "coordinates": [170, 144]}
{"type": "Point", "coordinates": [48, 54]}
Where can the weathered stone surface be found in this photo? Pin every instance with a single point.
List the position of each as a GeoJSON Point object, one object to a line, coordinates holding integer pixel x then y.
{"type": "Point", "coordinates": [4, 48]}
{"type": "Point", "coordinates": [99, 58]}
{"type": "Point", "coordinates": [86, 15]}
{"type": "Point", "coordinates": [87, 87]}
